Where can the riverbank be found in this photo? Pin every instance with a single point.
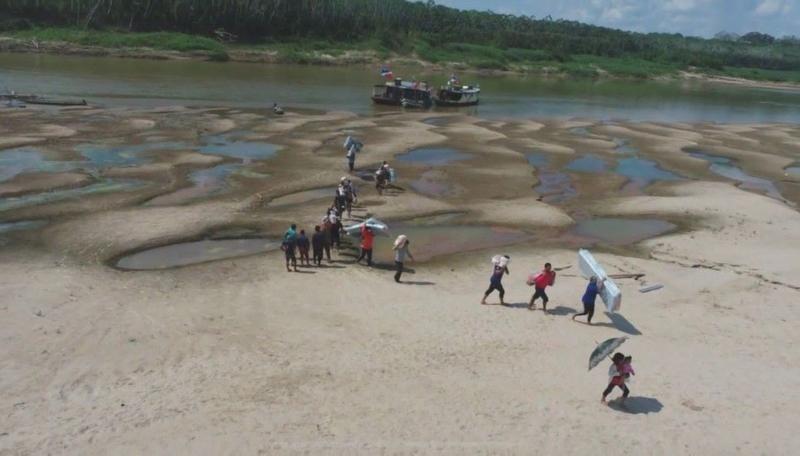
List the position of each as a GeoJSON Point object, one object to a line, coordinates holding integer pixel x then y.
{"type": "Point", "coordinates": [235, 355]}
{"type": "Point", "coordinates": [463, 59]}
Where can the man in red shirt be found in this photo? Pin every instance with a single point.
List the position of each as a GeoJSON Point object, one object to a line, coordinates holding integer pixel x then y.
{"type": "Point", "coordinates": [542, 280]}
{"type": "Point", "coordinates": [367, 237]}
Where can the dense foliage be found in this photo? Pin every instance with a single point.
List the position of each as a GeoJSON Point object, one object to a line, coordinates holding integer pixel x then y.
{"type": "Point", "coordinates": [433, 31]}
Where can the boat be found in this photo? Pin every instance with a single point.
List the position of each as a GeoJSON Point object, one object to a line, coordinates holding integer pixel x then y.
{"type": "Point", "coordinates": [38, 100]}
{"type": "Point", "coordinates": [450, 96]}
{"type": "Point", "coordinates": [454, 94]}
{"type": "Point", "coordinates": [407, 94]}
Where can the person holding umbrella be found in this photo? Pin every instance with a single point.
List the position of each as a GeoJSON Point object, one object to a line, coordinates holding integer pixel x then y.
{"type": "Point", "coordinates": [617, 370]}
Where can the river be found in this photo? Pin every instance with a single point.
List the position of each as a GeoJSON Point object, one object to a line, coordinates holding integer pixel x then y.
{"type": "Point", "coordinates": [147, 83]}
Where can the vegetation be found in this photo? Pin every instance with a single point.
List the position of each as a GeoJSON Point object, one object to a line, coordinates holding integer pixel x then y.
{"type": "Point", "coordinates": [116, 39]}
{"type": "Point", "coordinates": [301, 29]}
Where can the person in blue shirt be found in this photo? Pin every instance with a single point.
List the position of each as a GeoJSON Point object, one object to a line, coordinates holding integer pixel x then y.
{"type": "Point", "coordinates": [589, 297]}
{"type": "Point", "coordinates": [289, 245]}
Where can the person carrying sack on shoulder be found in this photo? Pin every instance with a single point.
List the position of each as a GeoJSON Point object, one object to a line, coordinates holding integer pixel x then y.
{"type": "Point", "coordinates": [541, 281]}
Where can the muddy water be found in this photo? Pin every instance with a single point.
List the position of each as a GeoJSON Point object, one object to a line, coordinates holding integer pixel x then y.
{"type": "Point", "coordinates": [29, 160]}
{"type": "Point", "coordinates": [104, 155]}
{"type": "Point", "coordinates": [157, 83]}
{"type": "Point", "coordinates": [306, 196]}
{"type": "Point", "coordinates": [429, 241]}
{"type": "Point", "coordinates": [432, 156]}
{"type": "Point", "coordinates": [620, 231]}
{"type": "Point", "coordinates": [188, 253]}
{"type": "Point", "coordinates": [105, 186]}
{"type": "Point", "coordinates": [725, 167]}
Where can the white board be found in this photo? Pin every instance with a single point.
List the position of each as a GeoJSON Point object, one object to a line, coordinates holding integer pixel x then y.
{"type": "Point", "coordinates": [609, 293]}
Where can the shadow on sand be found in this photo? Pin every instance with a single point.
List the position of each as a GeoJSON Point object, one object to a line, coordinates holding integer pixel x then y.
{"type": "Point", "coordinates": [416, 282]}
{"type": "Point", "coordinates": [622, 324]}
{"type": "Point", "coordinates": [561, 310]}
{"type": "Point", "coordinates": [637, 405]}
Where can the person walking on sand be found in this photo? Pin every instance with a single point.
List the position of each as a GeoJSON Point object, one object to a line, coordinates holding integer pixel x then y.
{"type": "Point", "coordinates": [289, 245]}
{"type": "Point", "coordinates": [351, 157]}
{"type": "Point", "coordinates": [318, 244]}
{"type": "Point", "coordinates": [541, 281]}
{"type": "Point", "coordinates": [336, 230]}
{"type": "Point", "coordinates": [382, 177]}
{"type": "Point", "coordinates": [588, 299]}
{"type": "Point", "coordinates": [616, 378]}
{"type": "Point", "coordinates": [340, 201]}
{"type": "Point", "coordinates": [327, 228]}
{"type": "Point", "coordinates": [499, 269]}
{"type": "Point", "coordinates": [302, 247]}
{"type": "Point", "coordinates": [367, 238]}
{"type": "Point", "coordinates": [400, 253]}
{"type": "Point", "coordinates": [350, 197]}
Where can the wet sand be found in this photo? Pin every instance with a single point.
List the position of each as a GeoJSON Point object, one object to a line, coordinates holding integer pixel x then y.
{"type": "Point", "coordinates": [237, 356]}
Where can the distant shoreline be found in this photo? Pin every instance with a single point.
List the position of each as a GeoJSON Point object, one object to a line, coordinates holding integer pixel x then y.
{"type": "Point", "coordinates": [243, 54]}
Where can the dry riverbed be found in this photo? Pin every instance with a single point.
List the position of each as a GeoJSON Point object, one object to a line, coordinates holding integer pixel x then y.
{"type": "Point", "coordinates": [237, 356]}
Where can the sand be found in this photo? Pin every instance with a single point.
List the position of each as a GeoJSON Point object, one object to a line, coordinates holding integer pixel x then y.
{"type": "Point", "coordinates": [240, 357]}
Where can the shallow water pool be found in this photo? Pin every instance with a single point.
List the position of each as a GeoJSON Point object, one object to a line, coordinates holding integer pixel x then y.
{"type": "Point", "coordinates": [188, 253]}
{"type": "Point", "coordinates": [621, 231]}
{"type": "Point", "coordinates": [29, 160]}
{"type": "Point", "coordinates": [105, 186]}
{"type": "Point", "coordinates": [431, 241]}
{"type": "Point", "coordinates": [229, 146]}
{"type": "Point", "coordinates": [433, 156]}
{"type": "Point", "coordinates": [724, 166]}
{"type": "Point", "coordinates": [587, 164]}
{"type": "Point", "coordinates": [643, 172]}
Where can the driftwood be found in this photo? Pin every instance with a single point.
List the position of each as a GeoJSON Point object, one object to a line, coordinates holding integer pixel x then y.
{"type": "Point", "coordinates": [636, 276]}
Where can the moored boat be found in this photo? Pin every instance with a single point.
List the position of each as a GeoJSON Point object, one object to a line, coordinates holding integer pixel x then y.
{"type": "Point", "coordinates": [403, 93]}
{"type": "Point", "coordinates": [37, 100]}
{"type": "Point", "coordinates": [454, 94]}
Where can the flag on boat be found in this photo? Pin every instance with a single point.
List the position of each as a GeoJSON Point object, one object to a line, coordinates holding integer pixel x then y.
{"type": "Point", "coordinates": [386, 72]}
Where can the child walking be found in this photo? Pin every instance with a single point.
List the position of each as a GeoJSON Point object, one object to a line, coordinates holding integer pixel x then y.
{"type": "Point", "coordinates": [616, 377]}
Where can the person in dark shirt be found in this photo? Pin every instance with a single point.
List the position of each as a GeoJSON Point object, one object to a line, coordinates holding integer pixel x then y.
{"type": "Point", "coordinates": [318, 245]}
{"type": "Point", "coordinates": [302, 247]}
{"type": "Point", "coordinates": [499, 269]}
{"type": "Point", "coordinates": [589, 297]}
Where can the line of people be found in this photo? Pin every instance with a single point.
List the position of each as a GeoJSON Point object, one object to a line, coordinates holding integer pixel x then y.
{"type": "Point", "coordinates": [327, 235]}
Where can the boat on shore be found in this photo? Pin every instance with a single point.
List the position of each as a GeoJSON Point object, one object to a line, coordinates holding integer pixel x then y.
{"type": "Point", "coordinates": [407, 94]}
{"type": "Point", "coordinates": [454, 94]}
{"type": "Point", "coordinates": [38, 100]}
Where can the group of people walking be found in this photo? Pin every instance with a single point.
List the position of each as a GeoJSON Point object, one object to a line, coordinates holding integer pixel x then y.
{"type": "Point", "coordinates": [620, 370]}
{"type": "Point", "coordinates": [328, 234]}
{"type": "Point", "coordinates": [540, 281]}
